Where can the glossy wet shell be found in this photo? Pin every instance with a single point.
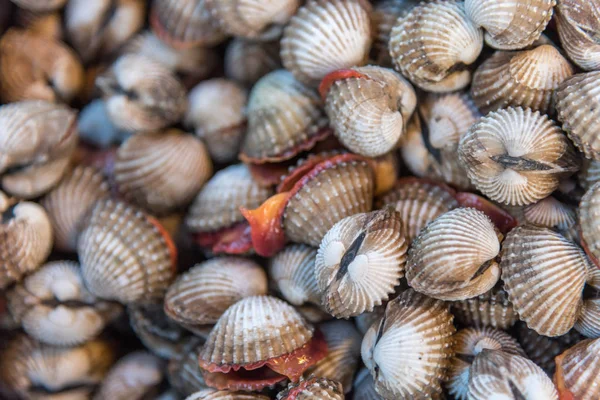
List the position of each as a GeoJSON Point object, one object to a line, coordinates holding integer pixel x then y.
{"type": "Point", "coordinates": [409, 351]}
{"type": "Point", "coordinates": [212, 394]}
{"type": "Point", "coordinates": [360, 261]}
{"type": "Point", "coordinates": [578, 370]}
{"type": "Point", "coordinates": [313, 389]}
{"type": "Point", "coordinates": [183, 372]}
{"type": "Point", "coordinates": [325, 36]}
{"type": "Point", "coordinates": [491, 309]}
{"type": "Point", "coordinates": [246, 61]}
{"type": "Point", "coordinates": [588, 222]}
{"type": "Point", "coordinates": [576, 22]}
{"type": "Point", "coordinates": [293, 272]}
{"type": "Point", "coordinates": [516, 156]}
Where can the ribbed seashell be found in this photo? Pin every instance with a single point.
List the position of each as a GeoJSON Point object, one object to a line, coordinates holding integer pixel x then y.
{"type": "Point", "coordinates": [40, 5]}
{"type": "Point", "coordinates": [216, 112]}
{"type": "Point", "coordinates": [578, 371]}
{"type": "Point", "coordinates": [491, 309]}
{"type": "Point", "coordinates": [246, 61]}
{"type": "Point", "coordinates": [142, 94]}
{"type": "Point", "coordinates": [360, 261]}
{"type": "Point", "coordinates": [510, 24]}
{"type": "Point", "coordinates": [68, 202]}
{"type": "Point", "coordinates": [368, 108]}
{"type": "Point", "coordinates": [313, 389]}
{"type": "Point", "coordinates": [212, 394]}
{"type": "Point", "coordinates": [409, 351]}
{"type": "Point", "coordinates": [453, 258]}
{"type": "Point", "coordinates": [588, 222]}
{"type": "Point", "coordinates": [218, 203]}
{"type": "Point", "coordinates": [47, 24]}
{"type": "Point", "coordinates": [577, 21]}
{"type": "Point", "coordinates": [588, 322]}
{"type": "Point", "coordinates": [26, 233]}
{"type": "Point", "coordinates": [183, 372]}
{"type": "Point", "coordinates": [364, 386]}
{"type": "Point", "coordinates": [47, 69]}
{"type": "Point", "coordinates": [577, 102]}
{"type": "Point", "coordinates": [526, 78]}
{"type": "Point", "coordinates": [589, 173]}
{"type": "Point", "coordinates": [132, 377]}
{"type": "Point", "coordinates": [125, 254]}
{"type": "Point", "coordinates": [433, 44]}
{"type": "Point", "coordinates": [284, 118]}
{"type": "Point", "coordinates": [325, 36]}
{"type": "Point", "coordinates": [293, 273]}
{"type": "Point", "coordinates": [471, 342]}
{"type": "Point", "coordinates": [365, 320]}
{"type": "Point", "coordinates": [383, 18]}
{"type": "Point", "coordinates": [498, 374]}
{"type": "Point", "coordinates": [552, 213]}
{"type": "Point", "coordinates": [202, 294]}
{"type": "Point", "coordinates": [544, 275]}
{"type": "Point", "coordinates": [35, 179]}
{"type": "Point", "coordinates": [54, 307]}
{"type": "Point", "coordinates": [162, 171]}
{"type": "Point", "coordinates": [343, 354]}
{"type": "Point", "coordinates": [517, 156]}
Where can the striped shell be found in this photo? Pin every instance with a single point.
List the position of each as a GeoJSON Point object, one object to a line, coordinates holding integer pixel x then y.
{"type": "Point", "coordinates": [409, 351]}
{"type": "Point", "coordinates": [183, 372]}
{"type": "Point", "coordinates": [526, 78]}
{"type": "Point", "coordinates": [544, 275]}
{"type": "Point", "coordinates": [578, 370]}
{"type": "Point", "coordinates": [125, 254]}
{"type": "Point", "coordinates": [517, 156]}
{"type": "Point", "coordinates": [212, 394]}
{"type": "Point", "coordinates": [553, 214]}
{"type": "Point", "coordinates": [577, 21]}
{"type": "Point", "coordinates": [313, 389]}
{"type": "Point", "coordinates": [216, 112]}
{"type": "Point", "coordinates": [68, 202]}
{"type": "Point", "coordinates": [368, 112]}
{"type": "Point", "coordinates": [433, 44]}
{"type": "Point", "coordinates": [326, 35]}
{"type": "Point", "coordinates": [360, 261]}
{"type": "Point", "coordinates": [588, 322]}
{"type": "Point", "coordinates": [202, 294]}
{"type": "Point", "coordinates": [246, 61]}
{"type": "Point", "coordinates": [453, 258]}
{"type": "Point", "coordinates": [364, 386]}
{"type": "Point", "coordinates": [384, 16]}
{"type": "Point", "coordinates": [40, 5]}
{"type": "Point", "coordinates": [510, 24]}
{"type": "Point", "coordinates": [589, 173]}
{"type": "Point", "coordinates": [491, 309]}
{"type": "Point", "coordinates": [142, 94]}
{"type": "Point", "coordinates": [577, 103]}
{"type": "Point", "coordinates": [293, 273]}
{"type": "Point", "coordinates": [589, 208]}
{"type": "Point", "coordinates": [284, 118]}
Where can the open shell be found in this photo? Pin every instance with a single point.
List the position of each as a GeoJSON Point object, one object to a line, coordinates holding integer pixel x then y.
{"type": "Point", "coordinates": [313, 389]}
{"type": "Point", "coordinates": [293, 272]}
{"type": "Point", "coordinates": [246, 61]}
{"type": "Point", "coordinates": [577, 21]}
{"type": "Point", "coordinates": [578, 370]}
{"type": "Point", "coordinates": [491, 309]}
{"type": "Point", "coordinates": [212, 394]}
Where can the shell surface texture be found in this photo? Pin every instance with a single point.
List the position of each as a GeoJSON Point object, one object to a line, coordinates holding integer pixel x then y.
{"type": "Point", "coordinates": [492, 308]}
{"type": "Point", "coordinates": [293, 273]}
{"type": "Point", "coordinates": [577, 23]}
{"type": "Point", "coordinates": [313, 388]}
{"type": "Point", "coordinates": [578, 370]}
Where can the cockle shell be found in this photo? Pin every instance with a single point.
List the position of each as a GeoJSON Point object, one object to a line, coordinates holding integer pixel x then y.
{"type": "Point", "coordinates": [552, 213]}
{"type": "Point", "coordinates": [577, 102]}
{"type": "Point", "coordinates": [360, 261]}
{"type": "Point", "coordinates": [527, 78]}
{"type": "Point", "coordinates": [577, 22]}
{"type": "Point", "coordinates": [489, 309]}
{"type": "Point", "coordinates": [453, 258]}
{"type": "Point", "coordinates": [203, 293]}
{"type": "Point", "coordinates": [125, 254]}
{"type": "Point", "coordinates": [433, 44]}
{"type": "Point", "coordinates": [40, 5]}
{"type": "Point", "coordinates": [368, 108]}
{"type": "Point", "coordinates": [588, 322]}
{"type": "Point", "coordinates": [68, 202]}
{"type": "Point", "coordinates": [589, 173]}
{"type": "Point", "coordinates": [216, 112]}
{"type": "Point", "coordinates": [293, 272]}
{"type": "Point", "coordinates": [408, 351]}
{"type": "Point", "coordinates": [516, 156]}
{"type": "Point", "coordinates": [326, 35]}
{"type": "Point", "coordinates": [588, 222]}
{"type": "Point", "coordinates": [212, 394]}
{"type": "Point", "coordinates": [246, 61]}
{"type": "Point", "coordinates": [384, 16]}
{"type": "Point", "coordinates": [142, 94]}
{"type": "Point", "coordinates": [313, 389]}
{"type": "Point", "coordinates": [544, 275]}
{"type": "Point", "coordinates": [47, 69]}
{"type": "Point", "coordinates": [364, 386]}
{"type": "Point", "coordinates": [183, 372]}
{"type": "Point", "coordinates": [510, 24]}
{"type": "Point", "coordinates": [578, 371]}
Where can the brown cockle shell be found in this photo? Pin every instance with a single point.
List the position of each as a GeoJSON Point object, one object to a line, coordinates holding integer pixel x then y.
{"type": "Point", "coordinates": [409, 350]}
{"type": "Point", "coordinates": [326, 35]}
{"type": "Point", "coordinates": [212, 394]}
{"type": "Point", "coordinates": [577, 22]}
{"type": "Point", "coordinates": [552, 213]}
{"type": "Point", "coordinates": [360, 261]}
{"type": "Point", "coordinates": [246, 61]}
{"type": "Point", "coordinates": [125, 254]}
{"type": "Point", "coordinates": [510, 24]}
{"type": "Point", "coordinates": [433, 44]}
{"type": "Point", "coordinates": [491, 309]}
{"type": "Point", "coordinates": [40, 5]}
{"type": "Point", "coordinates": [516, 156]}
{"type": "Point", "coordinates": [526, 78]}
{"type": "Point", "coordinates": [384, 16]}
{"type": "Point", "coordinates": [578, 371]}
{"type": "Point", "coordinates": [293, 272]}
{"type": "Point", "coordinates": [316, 388]}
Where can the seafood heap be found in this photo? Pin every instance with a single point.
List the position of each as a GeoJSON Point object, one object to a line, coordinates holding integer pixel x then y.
{"type": "Point", "coordinates": [300, 200]}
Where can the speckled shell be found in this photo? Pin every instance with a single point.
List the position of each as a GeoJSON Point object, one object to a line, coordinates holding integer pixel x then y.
{"type": "Point", "coordinates": [433, 43]}
{"type": "Point", "coordinates": [40, 5]}
{"type": "Point", "coordinates": [554, 214]}
{"type": "Point", "coordinates": [202, 294]}
{"type": "Point", "coordinates": [517, 156]}
{"type": "Point", "coordinates": [313, 389]}
{"type": "Point", "coordinates": [384, 16]}
{"type": "Point", "coordinates": [212, 394]}
{"type": "Point", "coordinates": [409, 351]}
{"type": "Point", "coordinates": [274, 329]}
{"type": "Point", "coordinates": [293, 273]}
{"type": "Point", "coordinates": [368, 112]}
{"type": "Point", "coordinates": [364, 386]}
{"type": "Point", "coordinates": [26, 233]}
{"type": "Point", "coordinates": [183, 372]}
{"type": "Point", "coordinates": [588, 322]}
{"type": "Point", "coordinates": [68, 202]}
{"type": "Point", "coordinates": [217, 205]}
{"type": "Point", "coordinates": [247, 61]}
{"type": "Point", "coordinates": [216, 112]}
{"type": "Point", "coordinates": [360, 261]}
{"type": "Point", "coordinates": [577, 21]}
{"type": "Point", "coordinates": [503, 375]}
{"type": "Point", "coordinates": [544, 275]}
{"type": "Point", "coordinates": [489, 309]}
{"type": "Point", "coordinates": [453, 256]}
{"type": "Point", "coordinates": [510, 24]}
{"type": "Point", "coordinates": [326, 35]}
{"type": "Point", "coordinates": [142, 94]}
{"type": "Point", "coordinates": [577, 102]}
{"type": "Point", "coordinates": [527, 79]}
{"type": "Point", "coordinates": [588, 222]}
{"type": "Point", "coordinates": [47, 69]}
{"type": "Point", "coordinates": [578, 370]}
{"type": "Point", "coordinates": [284, 118]}
{"type": "Point", "coordinates": [125, 254]}
{"type": "Point", "coordinates": [163, 171]}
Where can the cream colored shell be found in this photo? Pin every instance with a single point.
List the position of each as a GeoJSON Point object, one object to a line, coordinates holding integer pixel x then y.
{"type": "Point", "coordinates": [293, 273]}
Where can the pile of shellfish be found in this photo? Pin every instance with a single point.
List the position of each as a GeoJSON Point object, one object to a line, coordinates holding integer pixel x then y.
{"type": "Point", "coordinates": [300, 199]}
